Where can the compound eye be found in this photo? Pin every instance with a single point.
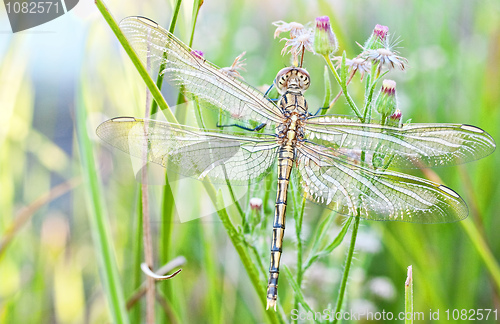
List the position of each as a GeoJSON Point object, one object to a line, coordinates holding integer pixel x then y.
{"type": "Point", "coordinates": [282, 78]}
{"type": "Point", "coordinates": [303, 76]}
{"type": "Point", "coordinates": [304, 80]}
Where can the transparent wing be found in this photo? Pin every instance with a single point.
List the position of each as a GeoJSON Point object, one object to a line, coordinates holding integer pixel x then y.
{"type": "Point", "coordinates": [181, 66]}
{"type": "Point", "coordinates": [196, 153]}
{"type": "Point", "coordinates": [376, 195]}
{"type": "Point", "coordinates": [411, 146]}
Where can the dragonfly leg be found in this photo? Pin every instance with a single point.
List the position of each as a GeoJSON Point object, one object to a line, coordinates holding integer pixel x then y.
{"type": "Point", "coordinates": [258, 128]}
{"type": "Point", "coordinates": [320, 109]}
{"type": "Point", "coordinates": [267, 92]}
{"type": "Point", "coordinates": [285, 163]}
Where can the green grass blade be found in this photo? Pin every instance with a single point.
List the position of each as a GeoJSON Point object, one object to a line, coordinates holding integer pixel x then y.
{"type": "Point", "coordinates": [483, 250]}
{"type": "Point", "coordinates": [159, 78]}
{"type": "Point", "coordinates": [409, 297]}
{"type": "Point", "coordinates": [136, 61]}
{"type": "Point", "coordinates": [103, 242]}
{"type": "Point", "coordinates": [136, 311]}
{"type": "Point", "coordinates": [348, 262]}
{"type": "Point", "coordinates": [335, 243]}
{"type": "Point", "coordinates": [168, 204]}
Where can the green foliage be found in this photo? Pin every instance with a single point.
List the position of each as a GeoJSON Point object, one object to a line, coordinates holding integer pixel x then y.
{"type": "Point", "coordinates": [99, 226]}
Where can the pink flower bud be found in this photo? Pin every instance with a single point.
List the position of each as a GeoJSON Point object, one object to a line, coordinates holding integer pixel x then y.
{"type": "Point", "coordinates": [395, 119]}
{"type": "Point", "coordinates": [381, 31]}
{"type": "Point", "coordinates": [377, 37]}
{"type": "Point", "coordinates": [325, 41]}
{"type": "Point", "coordinates": [256, 204]}
{"type": "Point", "coordinates": [386, 100]}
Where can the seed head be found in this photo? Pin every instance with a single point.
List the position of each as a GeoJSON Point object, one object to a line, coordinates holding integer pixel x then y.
{"type": "Point", "coordinates": [294, 28]}
{"type": "Point", "coordinates": [358, 65]}
{"type": "Point", "coordinates": [386, 57]}
{"type": "Point", "coordinates": [238, 64]}
{"type": "Point", "coordinates": [301, 39]}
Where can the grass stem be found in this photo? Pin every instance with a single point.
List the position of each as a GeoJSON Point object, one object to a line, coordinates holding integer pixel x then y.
{"type": "Point", "coordinates": [348, 262]}
{"type": "Point", "coordinates": [409, 297]}
{"type": "Point", "coordinates": [99, 225]}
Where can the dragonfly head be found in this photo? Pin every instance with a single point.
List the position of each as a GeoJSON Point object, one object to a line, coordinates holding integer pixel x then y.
{"type": "Point", "coordinates": [292, 79]}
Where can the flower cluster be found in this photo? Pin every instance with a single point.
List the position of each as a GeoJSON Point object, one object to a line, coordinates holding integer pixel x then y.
{"type": "Point", "coordinates": [378, 53]}
{"type": "Point", "coordinates": [320, 40]}
{"type": "Point", "coordinates": [301, 39]}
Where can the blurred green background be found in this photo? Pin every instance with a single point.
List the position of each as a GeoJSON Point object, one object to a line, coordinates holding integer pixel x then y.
{"type": "Point", "coordinates": [48, 265]}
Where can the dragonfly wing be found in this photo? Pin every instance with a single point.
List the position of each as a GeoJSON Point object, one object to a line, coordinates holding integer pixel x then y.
{"type": "Point", "coordinates": [195, 153]}
{"type": "Point", "coordinates": [204, 81]}
{"type": "Point", "coordinates": [411, 146]}
{"type": "Point", "coordinates": [376, 195]}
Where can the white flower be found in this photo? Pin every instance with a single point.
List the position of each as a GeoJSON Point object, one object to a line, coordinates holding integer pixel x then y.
{"type": "Point", "coordinates": [238, 64]}
{"type": "Point", "coordinates": [354, 65]}
{"type": "Point", "coordinates": [294, 28]}
{"type": "Point", "coordinates": [301, 39]}
{"type": "Point", "coordinates": [386, 57]}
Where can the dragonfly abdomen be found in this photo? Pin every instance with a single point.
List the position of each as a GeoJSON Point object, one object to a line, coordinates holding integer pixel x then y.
{"type": "Point", "coordinates": [285, 162]}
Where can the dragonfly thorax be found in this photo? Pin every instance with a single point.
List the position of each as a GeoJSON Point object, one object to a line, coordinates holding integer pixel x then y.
{"type": "Point", "coordinates": [294, 108]}
{"type": "Point", "coordinates": [292, 79]}
{"type": "Point", "coordinates": [291, 82]}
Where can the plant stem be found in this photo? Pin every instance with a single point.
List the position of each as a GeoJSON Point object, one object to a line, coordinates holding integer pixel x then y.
{"type": "Point", "coordinates": [99, 225]}
{"type": "Point", "coordinates": [327, 250]}
{"type": "Point", "coordinates": [168, 203]}
{"type": "Point", "coordinates": [348, 261]}
{"type": "Point", "coordinates": [296, 288]}
{"type": "Point", "coordinates": [155, 92]}
{"type": "Point", "coordinates": [135, 312]}
{"type": "Point", "coordinates": [343, 86]}
{"type": "Point", "coordinates": [233, 197]}
{"type": "Point", "coordinates": [148, 243]}
{"type": "Point", "coordinates": [299, 217]}
{"type": "Point", "coordinates": [298, 231]}
{"type": "Point", "coordinates": [159, 78]}
{"type": "Point", "coordinates": [341, 92]}
{"type": "Point", "coordinates": [409, 297]}
{"type": "Point", "coordinates": [25, 213]}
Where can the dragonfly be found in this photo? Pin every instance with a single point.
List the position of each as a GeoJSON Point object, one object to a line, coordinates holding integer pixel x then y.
{"type": "Point", "coordinates": [343, 164]}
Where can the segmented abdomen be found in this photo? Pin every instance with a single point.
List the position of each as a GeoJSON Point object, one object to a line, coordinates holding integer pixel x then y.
{"type": "Point", "coordinates": [285, 162]}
